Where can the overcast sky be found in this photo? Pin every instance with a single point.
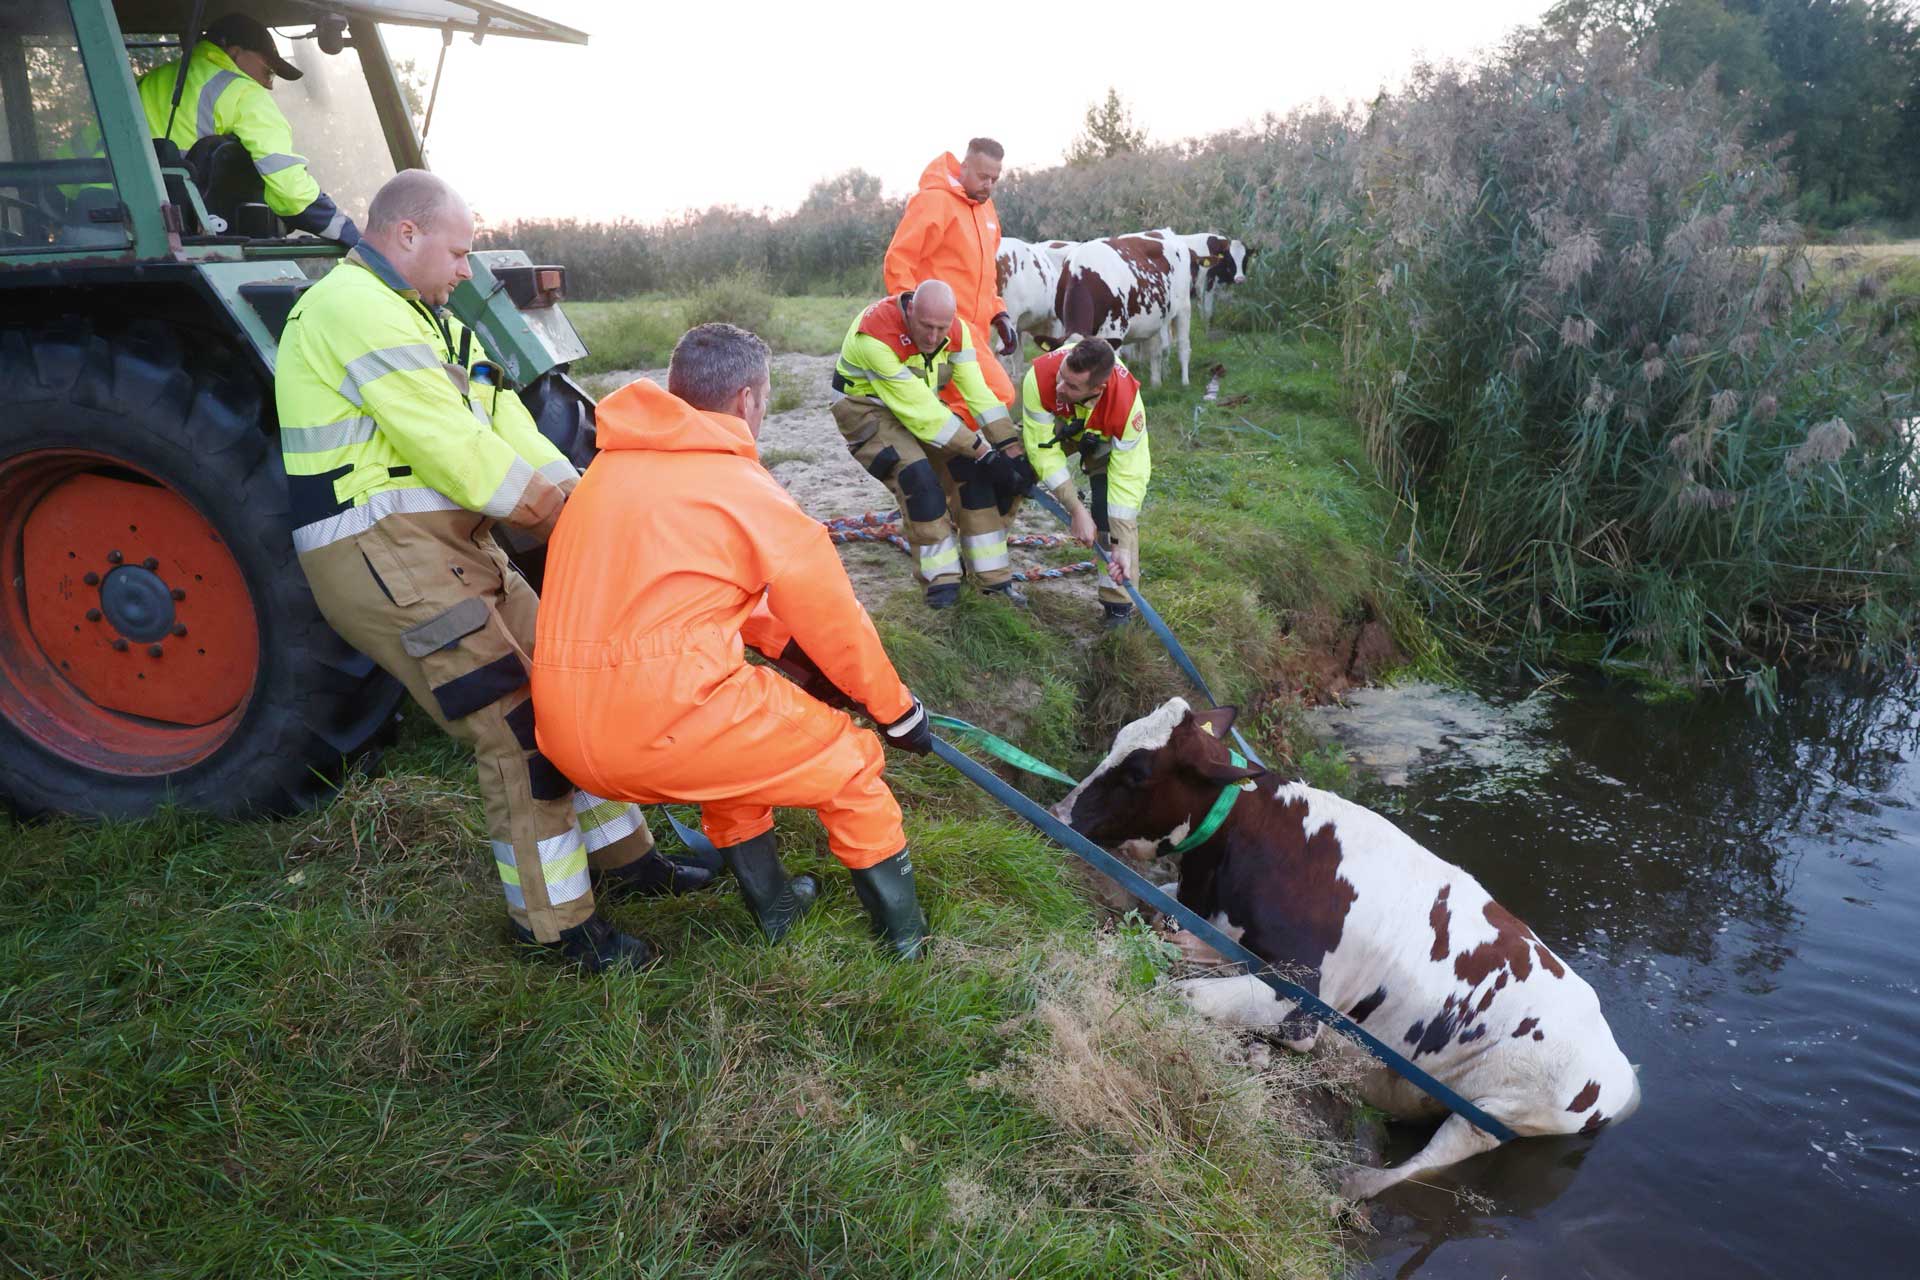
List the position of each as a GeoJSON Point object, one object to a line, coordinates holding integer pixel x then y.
{"type": "Point", "coordinates": [681, 106]}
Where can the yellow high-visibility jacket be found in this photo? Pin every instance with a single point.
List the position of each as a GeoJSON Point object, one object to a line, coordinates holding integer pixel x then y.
{"type": "Point", "coordinates": [1118, 413]}
{"type": "Point", "coordinates": [879, 364]}
{"type": "Point", "coordinates": [221, 98]}
{"type": "Point", "coordinates": [380, 414]}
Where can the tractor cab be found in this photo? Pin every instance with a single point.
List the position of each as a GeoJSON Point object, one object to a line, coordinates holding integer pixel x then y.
{"type": "Point", "coordinates": [157, 641]}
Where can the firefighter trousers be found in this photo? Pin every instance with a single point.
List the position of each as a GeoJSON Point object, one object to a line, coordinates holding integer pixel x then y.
{"type": "Point", "coordinates": [1113, 535]}
{"type": "Point", "coordinates": [936, 489]}
{"type": "Point", "coordinates": [433, 600]}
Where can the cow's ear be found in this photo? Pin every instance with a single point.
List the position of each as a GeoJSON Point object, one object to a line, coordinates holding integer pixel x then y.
{"type": "Point", "coordinates": [1217, 722]}
{"type": "Point", "coordinates": [1225, 773]}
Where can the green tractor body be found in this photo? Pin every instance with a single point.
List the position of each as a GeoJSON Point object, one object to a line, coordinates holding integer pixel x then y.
{"type": "Point", "coordinates": [157, 639]}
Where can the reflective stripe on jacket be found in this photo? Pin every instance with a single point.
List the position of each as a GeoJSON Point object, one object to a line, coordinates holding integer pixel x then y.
{"type": "Point", "coordinates": [1119, 413]}
{"type": "Point", "coordinates": [945, 235]}
{"type": "Point", "coordinates": [221, 98]}
{"type": "Point", "coordinates": [379, 414]}
{"type": "Point", "coordinates": [879, 363]}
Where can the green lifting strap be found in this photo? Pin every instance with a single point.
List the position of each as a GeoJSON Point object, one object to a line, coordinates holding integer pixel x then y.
{"type": "Point", "coordinates": [1222, 806]}
{"type": "Point", "coordinates": [1001, 748]}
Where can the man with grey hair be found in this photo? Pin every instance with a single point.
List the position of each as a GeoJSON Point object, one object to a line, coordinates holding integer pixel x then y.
{"type": "Point", "coordinates": [676, 554]}
{"type": "Point", "coordinates": [403, 449]}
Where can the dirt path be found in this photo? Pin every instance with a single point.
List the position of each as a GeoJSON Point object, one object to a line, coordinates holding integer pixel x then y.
{"type": "Point", "coordinates": [802, 448]}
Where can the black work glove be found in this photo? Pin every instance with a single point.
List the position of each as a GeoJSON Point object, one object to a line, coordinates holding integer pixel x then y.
{"type": "Point", "coordinates": [911, 732]}
{"type": "Point", "coordinates": [795, 665]}
{"type": "Point", "coordinates": [1008, 337]}
{"type": "Point", "coordinates": [1011, 477]}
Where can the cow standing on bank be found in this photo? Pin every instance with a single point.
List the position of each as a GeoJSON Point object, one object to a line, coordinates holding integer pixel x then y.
{"type": "Point", "coordinates": [1407, 945]}
{"type": "Point", "coordinates": [1219, 263]}
{"type": "Point", "coordinates": [1135, 290]}
{"type": "Point", "coordinates": [1027, 276]}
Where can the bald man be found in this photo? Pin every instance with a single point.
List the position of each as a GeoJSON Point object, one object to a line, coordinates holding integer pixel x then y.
{"type": "Point", "coordinates": [403, 450]}
{"type": "Point", "coordinates": [900, 356]}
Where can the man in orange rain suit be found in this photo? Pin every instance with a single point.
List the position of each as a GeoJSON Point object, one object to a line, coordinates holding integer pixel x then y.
{"type": "Point", "coordinates": [950, 231]}
{"type": "Point", "coordinates": [676, 552]}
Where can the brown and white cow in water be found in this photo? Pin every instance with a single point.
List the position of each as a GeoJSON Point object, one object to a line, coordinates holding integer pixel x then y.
{"type": "Point", "coordinates": [1409, 946]}
{"type": "Point", "coordinates": [1133, 289]}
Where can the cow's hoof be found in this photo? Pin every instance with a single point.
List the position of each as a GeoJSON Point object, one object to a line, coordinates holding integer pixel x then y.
{"type": "Point", "coordinates": [1362, 1183]}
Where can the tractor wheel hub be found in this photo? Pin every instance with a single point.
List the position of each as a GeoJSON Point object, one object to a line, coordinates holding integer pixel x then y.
{"type": "Point", "coordinates": [137, 603]}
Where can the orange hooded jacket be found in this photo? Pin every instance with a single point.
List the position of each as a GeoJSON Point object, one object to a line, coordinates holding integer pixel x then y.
{"type": "Point", "coordinates": [677, 549]}
{"type": "Point", "coordinates": [944, 235]}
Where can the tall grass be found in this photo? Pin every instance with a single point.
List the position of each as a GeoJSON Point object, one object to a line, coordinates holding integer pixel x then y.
{"type": "Point", "coordinates": [822, 250]}
{"type": "Point", "coordinates": [1579, 333]}
{"type": "Point", "coordinates": [304, 1047]}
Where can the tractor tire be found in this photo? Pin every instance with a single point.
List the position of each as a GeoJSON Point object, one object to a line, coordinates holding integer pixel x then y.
{"type": "Point", "coordinates": [158, 642]}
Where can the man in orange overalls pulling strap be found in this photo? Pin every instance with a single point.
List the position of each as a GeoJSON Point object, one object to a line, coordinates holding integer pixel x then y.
{"type": "Point", "coordinates": [678, 550]}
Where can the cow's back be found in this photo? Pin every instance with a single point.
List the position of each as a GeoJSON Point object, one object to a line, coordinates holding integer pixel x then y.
{"type": "Point", "coordinates": [1428, 961]}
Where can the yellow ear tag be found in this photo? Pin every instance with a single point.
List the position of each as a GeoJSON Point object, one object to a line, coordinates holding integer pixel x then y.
{"type": "Point", "coordinates": [1207, 729]}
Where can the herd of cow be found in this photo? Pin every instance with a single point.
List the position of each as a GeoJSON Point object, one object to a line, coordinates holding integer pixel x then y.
{"type": "Point", "coordinates": [1136, 291]}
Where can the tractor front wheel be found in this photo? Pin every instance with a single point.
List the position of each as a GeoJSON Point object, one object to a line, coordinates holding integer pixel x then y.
{"type": "Point", "coordinates": [157, 639]}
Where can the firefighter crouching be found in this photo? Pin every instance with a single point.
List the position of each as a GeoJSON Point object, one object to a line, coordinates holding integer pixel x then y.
{"type": "Point", "coordinates": [402, 451]}
{"type": "Point", "coordinates": [1081, 400]}
{"type": "Point", "coordinates": [899, 356]}
{"type": "Point", "coordinates": [677, 553]}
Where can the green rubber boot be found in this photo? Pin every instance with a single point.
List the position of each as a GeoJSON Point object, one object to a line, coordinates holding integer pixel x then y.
{"type": "Point", "coordinates": [776, 900]}
{"type": "Point", "coordinates": [886, 891]}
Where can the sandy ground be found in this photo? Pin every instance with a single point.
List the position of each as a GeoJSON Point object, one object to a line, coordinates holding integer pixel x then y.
{"type": "Point", "coordinates": [802, 449]}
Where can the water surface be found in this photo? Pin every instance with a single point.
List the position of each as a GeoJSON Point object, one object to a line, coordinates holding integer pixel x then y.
{"type": "Point", "coordinates": [1743, 891]}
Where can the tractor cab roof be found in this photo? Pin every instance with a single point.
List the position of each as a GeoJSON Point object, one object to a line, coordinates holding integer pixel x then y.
{"type": "Point", "coordinates": [478, 17]}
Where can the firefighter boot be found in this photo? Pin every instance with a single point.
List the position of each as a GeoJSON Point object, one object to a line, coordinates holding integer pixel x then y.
{"type": "Point", "coordinates": [886, 891]}
{"type": "Point", "coordinates": [595, 946]}
{"type": "Point", "coordinates": [650, 876]}
{"type": "Point", "coordinates": [776, 900]}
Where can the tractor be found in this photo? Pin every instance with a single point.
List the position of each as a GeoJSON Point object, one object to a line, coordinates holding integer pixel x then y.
{"type": "Point", "coordinates": [158, 643]}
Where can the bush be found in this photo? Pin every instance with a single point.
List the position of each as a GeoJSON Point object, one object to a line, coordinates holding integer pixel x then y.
{"type": "Point", "coordinates": [736, 297]}
{"type": "Point", "coordinates": [826, 249]}
{"type": "Point", "coordinates": [1579, 335]}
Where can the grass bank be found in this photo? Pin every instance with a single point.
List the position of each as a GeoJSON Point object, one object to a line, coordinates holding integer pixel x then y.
{"type": "Point", "coordinates": [301, 1047]}
{"type": "Point", "coordinates": [639, 333]}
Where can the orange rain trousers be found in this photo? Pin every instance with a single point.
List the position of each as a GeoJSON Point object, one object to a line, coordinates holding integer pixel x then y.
{"type": "Point", "coordinates": [675, 553]}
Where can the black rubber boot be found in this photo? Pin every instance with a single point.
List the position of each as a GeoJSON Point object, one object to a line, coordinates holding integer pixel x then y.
{"type": "Point", "coordinates": [776, 901]}
{"type": "Point", "coordinates": [650, 876]}
{"type": "Point", "coordinates": [943, 595]}
{"type": "Point", "coordinates": [1116, 615]}
{"type": "Point", "coordinates": [1008, 591]}
{"type": "Point", "coordinates": [886, 891]}
{"type": "Point", "coordinates": [595, 946]}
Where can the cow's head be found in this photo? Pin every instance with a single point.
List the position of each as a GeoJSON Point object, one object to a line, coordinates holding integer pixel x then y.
{"type": "Point", "coordinates": [1225, 261]}
{"type": "Point", "coordinates": [1165, 771]}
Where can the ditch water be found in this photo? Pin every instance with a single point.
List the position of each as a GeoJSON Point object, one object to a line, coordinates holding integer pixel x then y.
{"type": "Point", "coordinates": [1743, 891]}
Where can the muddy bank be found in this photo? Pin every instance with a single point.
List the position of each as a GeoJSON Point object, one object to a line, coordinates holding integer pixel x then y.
{"type": "Point", "coordinates": [802, 448]}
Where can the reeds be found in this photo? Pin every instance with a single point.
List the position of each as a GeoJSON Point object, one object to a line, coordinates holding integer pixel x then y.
{"type": "Point", "coordinates": [1580, 336]}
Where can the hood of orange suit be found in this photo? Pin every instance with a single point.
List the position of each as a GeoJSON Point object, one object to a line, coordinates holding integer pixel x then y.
{"type": "Point", "coordinates": [645, 415]}
{"type": "Point", "coordinates": [943, 174]}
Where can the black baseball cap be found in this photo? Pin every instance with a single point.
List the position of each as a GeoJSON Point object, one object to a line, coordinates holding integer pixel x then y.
{"type": "Point", "coordinates": [250, 33]}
